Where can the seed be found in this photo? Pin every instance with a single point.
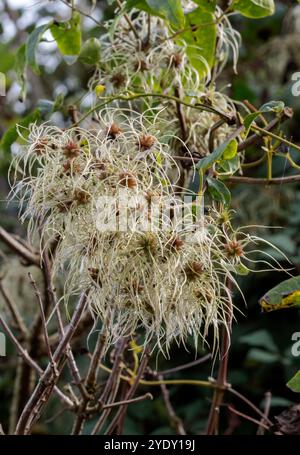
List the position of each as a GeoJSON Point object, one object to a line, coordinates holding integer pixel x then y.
{"type": "Point", "coordinates": [141, 65]}
{"type": "Point", "coordinates": [177, 243]}
{"type": "Point", "coordinates": [146, 141]}
{"type": "Point", "coordinates": [114, 130]}
{"type": "Point", "coordinates": [148, 243]}
{"type": "Point", "coordinates": [176, 60]}
{"type": "Point", "coordinates": [41, 146]}
{"type": "Point", "coordinates": [127, 179]}
{"type": "Point", "coordinates": [71, 150]}
{"type": "Point", "coordinates": [94, 274]}
{"type": "Point", "coordinates": [193, 270]}
{"type": "Point", "coordinates": [118, 80]}
{"type": "Point", "coordinates": [81, 196]}
{"type": "Point", "coordinates": [64, 206]}
{"type": "Point", "coordinates": [70, 166]}
{"type": "Point", "coordinates": [234, 249]}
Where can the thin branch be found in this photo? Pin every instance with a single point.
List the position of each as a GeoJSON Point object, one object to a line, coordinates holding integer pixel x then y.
{"type": "Point", "coordinates": [111, 399]}
{"type": "Point", "coordinates": [147, 396]}
{"type": "Point", "coordinates": [26, 357]}
{"type": "Point", "coordinates": [264, 181]}
{"type": "Point", "coordinates": [43, 318]}
{"type": "Point", "coordinates": [127, 18]}
{"type": "Point", "coordinates": [176, 422]}
{"type": "Point", "coordinates": [90, 381]}
{"type": "Point", "coordinates": [15, 314]}
{"type": "Point", "coordinates": [51, 294]}
{"type": "Point", "coordinates": [222, 380]}
{"type": "Point", "coordinates": [275, 136]}
{"type": "Point", "coordinates": [48, 379]}
{"type": "Point", "coordinates": [198, 106]}
{"type": "Point", "coordinates": [249, 403]}
{"type": "Point", "coordinates": [19, 248]}
{"type": "Point", "coordinates": [268, 401]}
{"type": "Point", "coordinates": [245, 416]}
{"type": "Point", "coordinates": [83, 13]}
{"type": "Point", "coordinates": [185, 366]}
{"type": "Point", "coordinates": [122, 410]}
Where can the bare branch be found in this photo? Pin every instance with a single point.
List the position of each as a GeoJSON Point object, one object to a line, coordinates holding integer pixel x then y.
{"type": "Point", "coordinates": [47, 381]}
{"type": "Point", "coordinates": [30, 256]}
{"type": "Point", "coordinates": [15, 314]}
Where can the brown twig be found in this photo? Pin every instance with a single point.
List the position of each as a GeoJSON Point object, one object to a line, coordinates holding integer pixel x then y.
{"type": "Point", "coordinates": [127, 18]}
{"type": "Point", "coordinates": [249, 403]}
{"type": "Point", "coordinates": [48, 379]}
{"type": "Point", "coordinates": [268, 401]}
{"type": "Point", "coordinates": [26, 357]}
{"type": "Point", "coordinates": [15, 314]}
{"type": "Point", "coordinates": [222, 382]}
{"type": "Point", "coordinates": [185, 366]}
{"type": "Point", "coordinates": [19, 248]}
{"type": "Point", "coordinates": [112, 385]}
{"type": "Point", "coordinates": [146, 396]}
{"type": "Point", "coordinates": [52, 297]}
{"type": "Point", "coordinates": [122, 410]}
{"type": "Point", "coordinates": [245, 416]}
{"type": "Point", "coordinates": [111, 399]}
{"type": "Point", "coordinates": [90, 382]}
{"type": "Point", "coordinates": [43, 318]}
{"type": "Point", "coordinates": [175, 421]}
{"type": "Point", "coordinates": [264, 181]}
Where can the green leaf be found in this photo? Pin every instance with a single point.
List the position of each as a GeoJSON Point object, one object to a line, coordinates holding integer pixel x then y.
{"type": "Point", "coordinates": [275, 297]}
{"type": "Point", "coordinates": [209, 160]}
{"type": "Point", "coordinates": [238, 269]}
{"type": "Point", "coordinates": [231, 150]}
{"type": "Point", "coordinates": [260, 338]}
{"type": "Point", "coordinates": [201, 39]}
{"type": "Point", "coordinates": [68, 35]}
{"type": "Point", "coordinates": [20, 69]}
{"type": "Point", "coordinates": [7, 58]}
{"type": "Point", "coordinates": [208, 5]}
{"type": "Point", "coordinates": [11, 135]}
{"type": "Point", "coordinates": [294, 383]}
{"type": "Point", "coordinates": [230, 166]}
{"type": "Point", "coordinates": [261, 356]}
{"type": "Point", "coordinates": [273, 106]}
{"type": "Point", "coordinates": [254, 8]}
{"type": "Point", "coordinates": [248, 120]}
{"type": "Point", "coordinates": [31, 46]}
{"type": "Point", "coordinates": [218, 191]}
{"type": "Point", "coordinates": [90, 52]}
{"type": "Point", "coordinates": [171, 10]}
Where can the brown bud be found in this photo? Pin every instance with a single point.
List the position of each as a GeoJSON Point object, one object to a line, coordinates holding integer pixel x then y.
{"type": "Point", "coordinates": [113, 131]}
{"type": "Point", "coordinates": [71, 150]}
{"type": "Point", "coordinates": [176, 60]}
{"type": "Point", "coordinates": [81, 196]}
{"type": "Point", "coordinates": [146, 141]}
{"type": "Point", "coordinates": [41, 146]}
{"type": "Point", "coordinates": [193, 270]}
{"type": "Point", "coordinates": [127, 179]}
{"type": "Point", "coordinates": [234, 249]}
{"type": "Point", "coordinates": [118, 79]}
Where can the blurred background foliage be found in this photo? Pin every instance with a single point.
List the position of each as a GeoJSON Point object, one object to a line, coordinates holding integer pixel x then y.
{"type": "Point", "coordinates": [260, 358]}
